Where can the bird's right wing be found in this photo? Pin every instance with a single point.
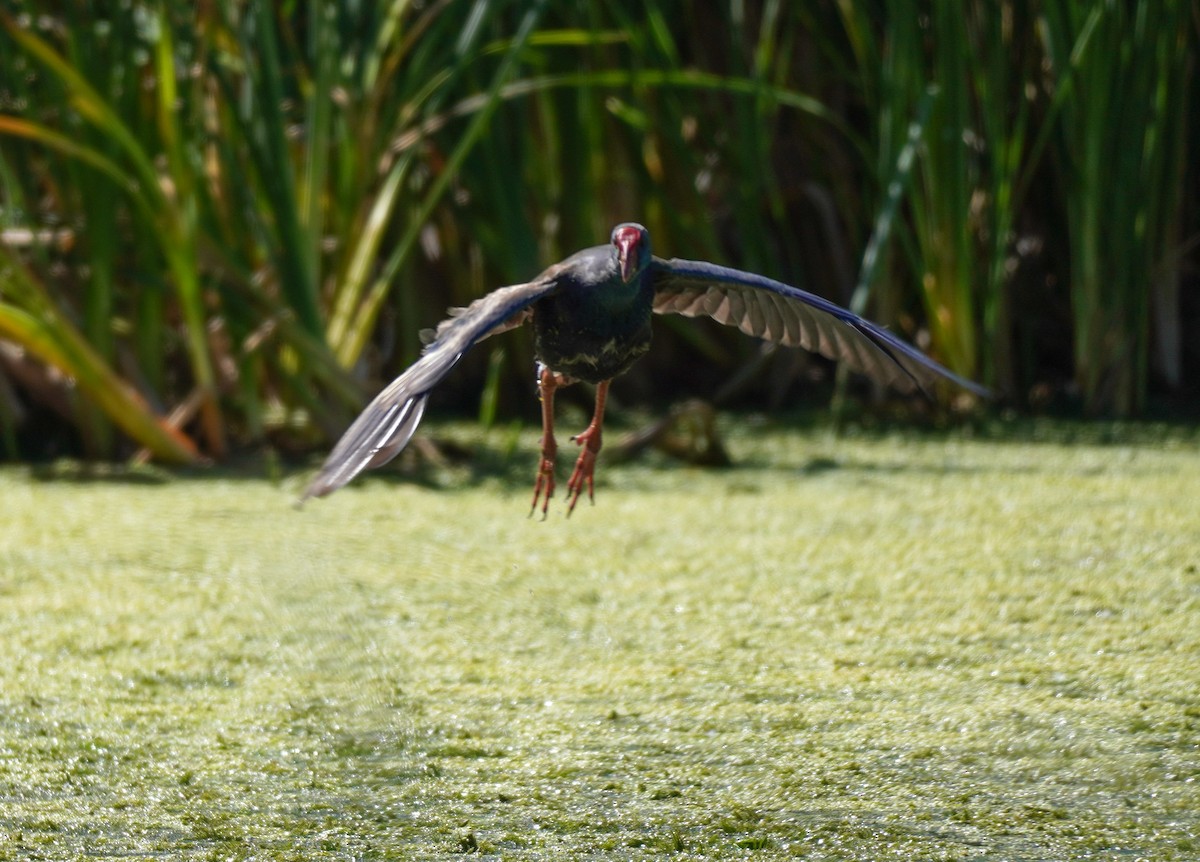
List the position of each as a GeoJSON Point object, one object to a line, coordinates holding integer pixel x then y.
{"type": "Point", "coordinates": [387, 423]}
{"type": "Point", "coordinates": [773, 311]}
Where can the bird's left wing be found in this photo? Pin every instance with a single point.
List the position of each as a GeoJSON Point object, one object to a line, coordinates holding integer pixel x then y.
{"type": "Point", "coordinates": [387, 423]}
{"type": "Point", "coordinates": [778, 312]}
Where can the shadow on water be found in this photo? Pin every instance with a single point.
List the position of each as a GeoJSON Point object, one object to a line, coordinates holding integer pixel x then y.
{"type": "Point", "coordinates": [460, 456]}
{"type": "Point", "coordinates": [89, 473]}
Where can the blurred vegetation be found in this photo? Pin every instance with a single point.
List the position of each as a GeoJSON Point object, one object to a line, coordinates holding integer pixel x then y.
{"type": "Point", "coordinates": [223, 224]}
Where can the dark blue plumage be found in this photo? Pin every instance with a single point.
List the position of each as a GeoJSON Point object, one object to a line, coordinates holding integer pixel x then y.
{"type": "Point", "coordinates": [593, 326]}
{"type": "Point", "coordinates": [591, 316]}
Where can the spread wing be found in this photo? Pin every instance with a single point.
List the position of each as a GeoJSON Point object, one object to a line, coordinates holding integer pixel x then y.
{"type": "Point", "coordinates": [777, 312]}
{"type": "Point", "coordinates": [387, 423]}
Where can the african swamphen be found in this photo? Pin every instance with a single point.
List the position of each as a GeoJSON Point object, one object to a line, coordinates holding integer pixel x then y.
{"type": "Point", "coordinates": [591, 319]}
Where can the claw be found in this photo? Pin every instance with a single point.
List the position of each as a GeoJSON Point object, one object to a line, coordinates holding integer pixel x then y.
{"type": "Point", "coordinates": [585, 468]}
{"type": "Point", "coordinates": [545, 480]}
{"type": "Point", "coordinates": [591, 439]}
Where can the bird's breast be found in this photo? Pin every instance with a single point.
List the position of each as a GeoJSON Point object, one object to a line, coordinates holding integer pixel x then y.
{"type": "Point", "coordinates": [587, 336]}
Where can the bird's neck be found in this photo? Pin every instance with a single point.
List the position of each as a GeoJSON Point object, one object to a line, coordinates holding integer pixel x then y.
{"type": "Point", "coordinates": [617, 296]}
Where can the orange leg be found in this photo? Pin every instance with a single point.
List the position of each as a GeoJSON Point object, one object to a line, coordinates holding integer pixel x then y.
{"type": "Point", "coordinates": [590, 440]}
{"type": "Point", "coordinates": [548, 381]}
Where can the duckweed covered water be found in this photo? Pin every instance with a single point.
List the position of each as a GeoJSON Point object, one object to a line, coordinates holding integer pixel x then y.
{"type": "Point", "coordinates": [865, 649]}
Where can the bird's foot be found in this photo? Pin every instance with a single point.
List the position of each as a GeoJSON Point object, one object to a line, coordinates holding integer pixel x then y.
{"type": "Point", "coordinates": [543, 488]}
{"type": "Point", "coordinates": [585, 467]}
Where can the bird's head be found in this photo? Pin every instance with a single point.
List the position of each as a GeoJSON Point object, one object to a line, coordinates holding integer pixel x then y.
{"type": "Point", "coordinates": [632, 244]}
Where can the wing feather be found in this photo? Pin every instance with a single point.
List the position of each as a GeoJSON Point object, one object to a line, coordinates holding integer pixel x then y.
{"type": "Point", "coordinates": [768, 309]}
{"type": "Point", "coordinates": [385, 426]}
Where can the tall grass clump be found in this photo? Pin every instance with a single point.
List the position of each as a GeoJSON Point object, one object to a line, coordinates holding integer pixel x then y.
{"type": "Point", "coordinates": [230, 178]}
{"type": "Point", "coordinates": [1090, 97]}
{"type": "Point", "coordinates": [247, 212]}
{"type": "Point", "coordinates": [265, 206]}
{"type": "Point", "coordinates": [1120, 150]}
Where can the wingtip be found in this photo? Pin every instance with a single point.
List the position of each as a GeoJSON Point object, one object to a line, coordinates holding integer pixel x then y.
{"type": "Point", "coordinates": [983, 392]}
{"type": "Point", "coordinates": [965, 387]}
{"type": "Point", "coordinates": [977, 389]}
{"type": "Point", "coordinates": [317, 488]}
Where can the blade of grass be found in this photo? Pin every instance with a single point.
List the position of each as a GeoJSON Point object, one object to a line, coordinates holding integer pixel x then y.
{"type": "Point", "coordinates": [166, 223]}
{"type": "Point", "coordinates": [895, 190]}
{"type": "Point", "coordinates": [35, 324]}
{"type": "Point", "coordinates": [1121, 181]}
{"type": "Point", "coordinates": [262, 123]}
{"type": "Point", "coordinates": [367, 311]}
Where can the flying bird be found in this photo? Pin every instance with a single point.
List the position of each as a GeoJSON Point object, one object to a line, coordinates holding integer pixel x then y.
{"type": "Point", "coordinates": [591, 318]}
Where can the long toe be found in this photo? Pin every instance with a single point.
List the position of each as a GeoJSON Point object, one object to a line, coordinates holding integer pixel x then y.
{"type": "Point", "coordinates": [583, 474]}
{"type": "Point", "coordinates": [543, 487]}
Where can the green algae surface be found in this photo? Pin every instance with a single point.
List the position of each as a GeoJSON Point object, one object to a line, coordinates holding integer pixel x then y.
{"type": "Point", "coordinates": [874, 648]}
